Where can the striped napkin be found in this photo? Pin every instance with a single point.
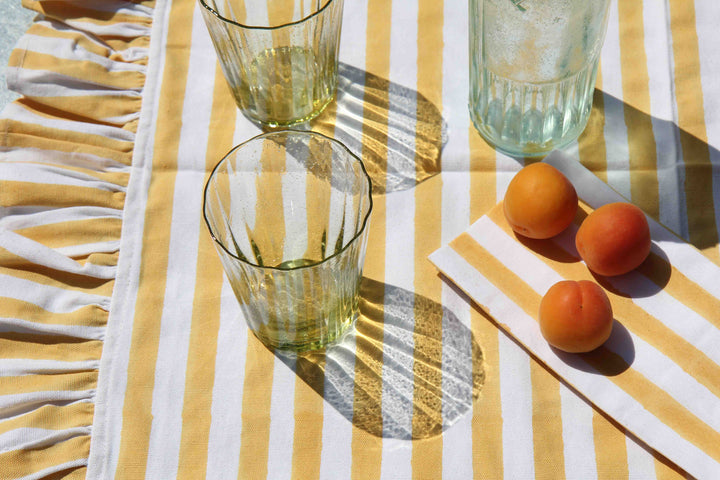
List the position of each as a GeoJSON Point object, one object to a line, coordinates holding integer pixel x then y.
{"type": "Point", "coordinates": [659, 373]}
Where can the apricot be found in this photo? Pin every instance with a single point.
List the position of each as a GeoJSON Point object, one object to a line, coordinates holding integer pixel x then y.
{"type": "Point", "coordinates": [540, 201]}
{"type": "Point", "coordinates": [576, 316]}
{"type": "Point", "coordinates": [614, 239]}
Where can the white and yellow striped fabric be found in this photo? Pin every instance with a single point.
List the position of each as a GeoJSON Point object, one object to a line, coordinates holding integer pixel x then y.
{"type": "Point", "coordinates": [122, 350]}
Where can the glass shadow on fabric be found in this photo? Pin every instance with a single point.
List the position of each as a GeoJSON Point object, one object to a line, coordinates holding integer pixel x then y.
{"type": "Point", "coordinates": [280, 63]}
{"type": "Point", "coordinates": [378, 381]}
{"type": "Point", "coordinates": [397, 131]}
{"type": "Point", "coordinates": [289, 214]}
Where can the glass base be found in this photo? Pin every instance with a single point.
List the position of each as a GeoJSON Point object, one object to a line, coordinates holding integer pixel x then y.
{"type": "Point", "coordinates": [531, 119]}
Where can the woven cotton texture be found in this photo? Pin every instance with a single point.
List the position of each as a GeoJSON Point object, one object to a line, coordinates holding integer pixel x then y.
{"type": "Point", "coordinates": [123, 352]}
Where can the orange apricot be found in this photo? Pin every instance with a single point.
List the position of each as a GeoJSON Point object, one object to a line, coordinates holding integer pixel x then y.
{"type": "Point", "coordinates": [576, 316]}
{"type": "Point", "coordinates": [540, 201]}
{"type": "Point", "coordinates": [614, 239]}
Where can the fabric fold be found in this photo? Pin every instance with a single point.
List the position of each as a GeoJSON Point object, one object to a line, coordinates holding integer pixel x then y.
{"type": "Point", "coordinates": [66, 151]}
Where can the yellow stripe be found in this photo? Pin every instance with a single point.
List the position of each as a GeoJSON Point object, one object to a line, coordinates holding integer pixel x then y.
{"type": "Point", "coordinates": [653, 399]}
{"type": "Point", "coordinates": [39, 137]}
{"type": "Point", "coordinates": [257, 389]}
{"type": "Point", "coordinates": [636, 97]}
{"type": "Point", "coordinates": [88, 316]}
{"type": "Point", "coordinates": [487, 439]}
{"type": "Point", "coordinates": [427, 455]}
{"type": "Point", "coordinates": [307, 440]}
{"type": "Point", "coordinates": [74, 232]}
{"type": "Point", "coordinates": [367, 448]}
{"type": "Point", "coordinates": [101, 108]}
{"type": "Point", "coordinates": [44, 194]}
{"type": "Point", "coordinates": [85, 13]}
{"type": "Point", "coordinates": [633, 317]}
{"type": "Point", "coordinates": [19, 463]}
{"type": "Point", "coordinates": [680, 287]}
{"type": "Point", "coordinates": [78, 38]}
{"type": "Point", "coordinates": [137, 406]}
{"type": "Point", "coordinates": [200, 370]}
{"type": "Point", "coordinates": [52, 417]}
{"type": "Point", "coordinates": [78, 473]}
{"type": "Point", "coordinates": [48, 347]}
{"type": "Point", "coordinates": [101, 258]}
{"type": "Point", "coordinates": [547, 426]}
{"type": "Point", "coordinates": [487, 451]}
{"type": "Point", "coordinates": [109, 176]}
{"type": "Point", "coordinates": [610, 447]}
{"type": "Point", "coordinates": [83, 70]}
{"type": "Point", "coordinates": [13, 265]}
{"type": "Point", "coordinates": [667, 470]}
{"type": "Point", "coordinates": [591, 143]}
{"type": "Point", "coordinates": [76, 381]}
{"type": "Point", "coordinates": [693, 134]}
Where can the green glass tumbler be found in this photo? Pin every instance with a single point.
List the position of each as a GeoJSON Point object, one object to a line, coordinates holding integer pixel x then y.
{"type": "Point", "coordinates": [280, 58]}
{"type": "Point", "coordinates": [289, 214]}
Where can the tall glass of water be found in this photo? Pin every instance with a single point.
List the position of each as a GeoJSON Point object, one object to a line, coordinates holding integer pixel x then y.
{"type": "Point", "coordinates": [533, 65]}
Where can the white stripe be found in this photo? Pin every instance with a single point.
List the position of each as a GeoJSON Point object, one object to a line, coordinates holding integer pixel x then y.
{"type": "Point", "coordinates": [69, 49]}
{"type": "Point", "coordinates": [226, 412]}
{"type": "Point", "coordinates": [69, 159]}
{"type": "Point", "coordinates": [176, 319]}
{"type": "Point", "coordinates": [516, 406]}
{"type": "Point", "coordinates": [670, 172]}
{"type": "Point", "coordinates": [58, 215]}
{"type": "Point", "coordinates": [20, 403]}
{"type": "Point", "coordinates": [28, 366]}
{"type": "Point", "coordinates": [112, 380]}
{"type": "Point", "coordinates": [640, 462]}
{"type": "Point", "coordinates": [21, 113]}
{"type": "Point", "coordinates": [578, 437]}
{"type": "Point", "coordinates": [615, 132]}
{"type": "Point", "coordinates": [38, 254]}
{"type": "Point", "coordinates": [282, 419]}
{"type": "Point", "coordinates": [52, 299]}
{"type": "Point", "coordinates": [337, 432]}
{"type": "Point", "coordinates": [24, 326]}
{"type": "Point", "coordinates": [47, 83]}
{"type": "Point", "coordinates": [397, 379]}
{"type": "Point", "coordinates": [52, 175]}
{"type": "Point", "coordinates": [28, 438]}
{"type": "Point", "coordinates": [73, 251]}
{"type": "Point", "coordinates": [457, 451]}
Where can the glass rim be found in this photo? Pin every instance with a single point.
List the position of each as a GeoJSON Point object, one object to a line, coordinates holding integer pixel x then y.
{"type": "Point", "coordinates": [214, 12]}
{"type": "Point", "coordinates": [310, 133]}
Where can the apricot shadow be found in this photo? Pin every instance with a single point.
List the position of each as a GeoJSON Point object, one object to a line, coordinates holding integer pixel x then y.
{"type": "Point", "coordinates": [645, 281]}
{"type": "Point", "coordinates": [612, 358]}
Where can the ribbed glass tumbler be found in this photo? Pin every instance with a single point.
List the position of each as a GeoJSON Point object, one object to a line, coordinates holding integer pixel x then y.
{"type": "Point", "coordinates": [280, 59]}
{"type": "Point", "coordinates": [289, 214]}
{"type": "Point", "coordinates": [533, 66]}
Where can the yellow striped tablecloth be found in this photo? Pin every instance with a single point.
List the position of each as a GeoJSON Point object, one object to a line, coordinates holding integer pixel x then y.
{"type": "Point", "coordinates": [122, 349]}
